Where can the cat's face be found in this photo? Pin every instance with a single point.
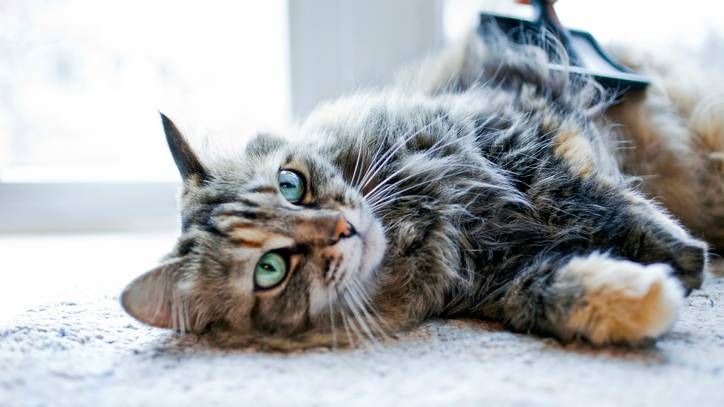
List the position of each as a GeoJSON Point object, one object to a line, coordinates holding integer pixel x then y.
{"type": "Point", "coordinates": [271, 243]}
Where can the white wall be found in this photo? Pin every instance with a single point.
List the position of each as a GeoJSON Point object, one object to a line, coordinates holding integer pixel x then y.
{"type": "Point", "coordinates": [337, 46]}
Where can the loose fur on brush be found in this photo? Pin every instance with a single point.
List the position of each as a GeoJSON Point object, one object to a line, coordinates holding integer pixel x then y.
{"type": "Point", "coordinates": [482, 185]}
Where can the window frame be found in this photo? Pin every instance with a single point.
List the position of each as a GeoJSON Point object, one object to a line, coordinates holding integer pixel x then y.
{"type": "Point", "coordinates": [350, 52]}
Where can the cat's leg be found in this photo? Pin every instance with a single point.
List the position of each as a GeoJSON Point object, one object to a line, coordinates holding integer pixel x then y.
{"type": "Point", "coordinates": [597, 297]}
{"type": "Point", "coordinates": [652, 236]}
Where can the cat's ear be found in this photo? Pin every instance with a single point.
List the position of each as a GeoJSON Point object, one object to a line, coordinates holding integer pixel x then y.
{"type": "Point", "coordinates": [156, 298]}
{"type": "Point", "coordinates": [187, 162]}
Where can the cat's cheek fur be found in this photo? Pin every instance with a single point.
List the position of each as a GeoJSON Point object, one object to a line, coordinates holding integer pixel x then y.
{"type": "Point", "coordinates": [320, 297]}
{"type": "Point", "coordinates": [373, 249]}
{"type": "Point", "coordinates": [622, 301]}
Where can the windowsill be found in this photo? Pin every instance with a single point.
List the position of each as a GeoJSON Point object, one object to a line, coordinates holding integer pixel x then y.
{"type": "Point", "coordinates": [88, 207]}
{"type": "Point", "coordinates": [35, 174]}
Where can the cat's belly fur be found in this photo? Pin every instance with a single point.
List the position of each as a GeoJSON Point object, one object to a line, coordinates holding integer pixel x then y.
{"type": "Point", "coordinates": [499, 175]}
{"type": "Point", "coordinates": [483, 185]}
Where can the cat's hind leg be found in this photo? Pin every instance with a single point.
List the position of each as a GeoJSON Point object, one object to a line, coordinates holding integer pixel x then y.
{"type": "Point", "coordinates": [596, 297]}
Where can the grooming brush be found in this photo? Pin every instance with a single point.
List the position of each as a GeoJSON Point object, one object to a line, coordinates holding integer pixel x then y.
{"type": "Point", "coordinates": [585, 55]}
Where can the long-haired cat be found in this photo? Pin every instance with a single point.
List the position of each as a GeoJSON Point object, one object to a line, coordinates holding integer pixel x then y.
{"type": "Point", "coordinates": [484, 186]}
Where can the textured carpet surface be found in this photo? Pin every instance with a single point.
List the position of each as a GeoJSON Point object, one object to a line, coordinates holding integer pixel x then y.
{"type": "Point", "coordinates": [90, 354]}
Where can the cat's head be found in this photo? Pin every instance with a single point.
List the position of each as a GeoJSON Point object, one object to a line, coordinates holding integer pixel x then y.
{"type": "Point", "coordinates": [271, 242]}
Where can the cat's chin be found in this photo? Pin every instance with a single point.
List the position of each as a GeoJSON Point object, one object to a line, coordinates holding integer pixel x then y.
{"type": "Point", "coordinates": [362, 256]}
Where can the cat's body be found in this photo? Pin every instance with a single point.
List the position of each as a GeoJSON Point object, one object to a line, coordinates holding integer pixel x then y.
{"type": "Point", "coordinates": [494, 192]}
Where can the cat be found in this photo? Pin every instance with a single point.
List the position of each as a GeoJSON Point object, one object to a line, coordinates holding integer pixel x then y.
{"type": "Point", "coordinates": [482, 185]}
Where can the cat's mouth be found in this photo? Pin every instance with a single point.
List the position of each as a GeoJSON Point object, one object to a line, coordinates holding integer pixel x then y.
{"type": "Point", "coordinates": [352, 261]}
{"type": "Point", "coordinates": [357, 256]}
{"type": "Point", "coordinates": [369, 246]}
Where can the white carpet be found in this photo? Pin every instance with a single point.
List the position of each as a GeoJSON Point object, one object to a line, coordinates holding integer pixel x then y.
{"type": "Point", "coordinates": [90, 354]}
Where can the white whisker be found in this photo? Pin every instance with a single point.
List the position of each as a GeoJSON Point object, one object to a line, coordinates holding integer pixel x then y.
{"type": "Point", "coordinates": [359, 319]}
{"type": "Point", "coordinates": [434, 148]}
{"type": "Point", "coordinates": [391, 152]}
{"type": "Point", "coordinates": [366, 307]}
{"type": "Point", "coordinates": [331, 319]}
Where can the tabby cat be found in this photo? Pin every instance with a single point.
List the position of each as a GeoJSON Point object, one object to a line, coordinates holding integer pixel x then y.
{"type": "Point", "coordinates": [483, 185]}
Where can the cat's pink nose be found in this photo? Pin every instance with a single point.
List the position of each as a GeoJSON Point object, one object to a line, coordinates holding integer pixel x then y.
{"type": "Point", "coordinates": [342, 229]}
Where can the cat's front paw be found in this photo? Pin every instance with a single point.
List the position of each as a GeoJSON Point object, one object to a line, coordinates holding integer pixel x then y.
{"type": "Point", "coordinates": [622, 301]}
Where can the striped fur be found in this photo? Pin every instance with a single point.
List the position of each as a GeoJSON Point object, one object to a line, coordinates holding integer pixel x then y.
{"type": "Point", "coordinates": [482, 185]}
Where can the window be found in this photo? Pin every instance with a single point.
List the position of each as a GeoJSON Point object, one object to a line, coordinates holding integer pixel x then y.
{"type": "Point", "coordinates": [81, 82]}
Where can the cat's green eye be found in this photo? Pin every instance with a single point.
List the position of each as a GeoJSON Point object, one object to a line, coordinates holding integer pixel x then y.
{"type": "Point", "coordinates": [270, 270]}
{"type": "Point", "coordinates": [291, 185]}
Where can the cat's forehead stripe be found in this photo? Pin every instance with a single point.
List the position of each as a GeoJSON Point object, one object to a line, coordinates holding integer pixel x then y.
{"type": "Point", "coordinates": [246, 243]}
{"type": "Point", "coordinates": [250, 236]}
{"type": "Point", "coordinates": [248, 233]}
{"type": "Point", "coordinates": [247, 202]}
{"type": "Point", "coordinates": [263, 189]}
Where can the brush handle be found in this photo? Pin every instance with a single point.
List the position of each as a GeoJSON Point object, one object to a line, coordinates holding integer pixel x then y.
{"type": "Point", "coordinates": [545, 15]}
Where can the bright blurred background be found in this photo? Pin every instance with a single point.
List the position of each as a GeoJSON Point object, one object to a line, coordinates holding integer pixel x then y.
{"type": "Point", "coordinates": [86, 184]}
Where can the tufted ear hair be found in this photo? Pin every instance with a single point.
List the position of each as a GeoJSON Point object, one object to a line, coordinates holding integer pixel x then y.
{"type": "Point", "coordinates": [157, 298]}
{"type": "Point", "coordinates": [186, 161]}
